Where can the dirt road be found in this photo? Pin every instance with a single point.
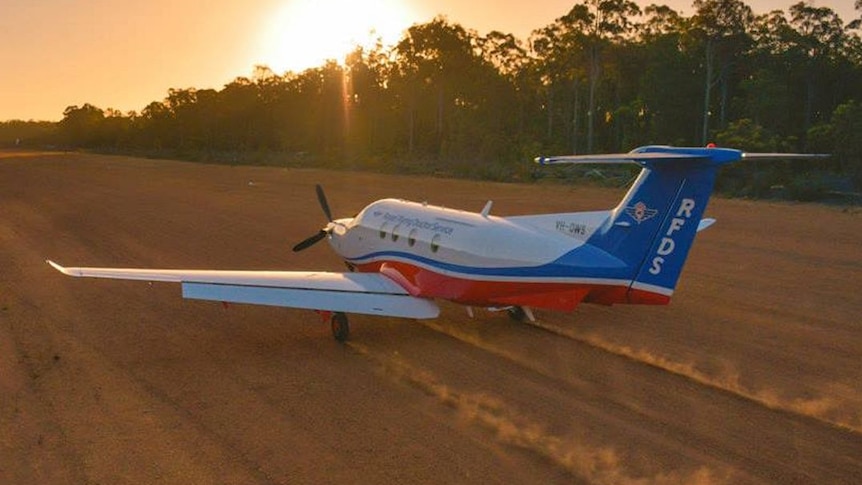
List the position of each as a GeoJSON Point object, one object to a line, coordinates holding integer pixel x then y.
{"type": "Point", "coordinates": [753, 373]}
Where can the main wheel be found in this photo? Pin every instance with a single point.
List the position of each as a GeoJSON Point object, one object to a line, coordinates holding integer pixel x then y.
{"type": "Point", "coordinates": [517, 313]}
{"type": "Point", "coordinates": [340, 326]}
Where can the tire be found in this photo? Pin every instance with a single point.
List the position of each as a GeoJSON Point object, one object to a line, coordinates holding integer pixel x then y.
{"type": "Point", "coordinates": [340, 327]}
{"type": "Point", "coordinates": [517, 314]}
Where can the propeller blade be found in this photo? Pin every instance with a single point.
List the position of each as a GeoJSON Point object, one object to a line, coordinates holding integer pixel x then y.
{"type": "Point", "coordinates": [321, 197]}
{"type": "Point", "coordinates": [310, 241]}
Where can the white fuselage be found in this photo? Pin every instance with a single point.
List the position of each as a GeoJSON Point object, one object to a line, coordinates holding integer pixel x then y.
{"type": "Point", "coordinates": [476, 258]}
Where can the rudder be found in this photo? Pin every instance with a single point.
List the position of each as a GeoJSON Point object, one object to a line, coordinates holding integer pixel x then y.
{"type": "Point", "coordinates": [657, 274]}
{"type": "Point", "coordinates": [653, 227]}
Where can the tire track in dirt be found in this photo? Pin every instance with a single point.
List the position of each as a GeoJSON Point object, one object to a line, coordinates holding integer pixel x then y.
{"type": "Point", "coordinates": [816, 408]}
{"type": "Point", "coordinates": [797, 461]}
{"type": "Point", "coordinates": [592, 464]}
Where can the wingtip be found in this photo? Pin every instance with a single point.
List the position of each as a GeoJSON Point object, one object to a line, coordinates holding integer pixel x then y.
{"type": "Point", "coordinates": [58, 267]}
{"type": "Point", "coordinates": [784, 156]}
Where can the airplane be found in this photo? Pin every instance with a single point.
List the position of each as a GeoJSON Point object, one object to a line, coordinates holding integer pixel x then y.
{"type": "Point", "coordinates": [402, 256]}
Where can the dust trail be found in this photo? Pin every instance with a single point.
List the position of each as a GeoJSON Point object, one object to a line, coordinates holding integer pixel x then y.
{"type": "Point", "coordinates": [841, 413]}
{"type": "Point", "coordinates": [600, 465]}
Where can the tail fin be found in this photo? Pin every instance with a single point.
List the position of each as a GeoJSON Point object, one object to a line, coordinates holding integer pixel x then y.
{"type": "Point", "coordinates": [653, 227]}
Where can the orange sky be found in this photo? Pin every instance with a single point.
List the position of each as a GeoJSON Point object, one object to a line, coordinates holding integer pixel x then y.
{"type": "Point", "coordinates": [124, 54]}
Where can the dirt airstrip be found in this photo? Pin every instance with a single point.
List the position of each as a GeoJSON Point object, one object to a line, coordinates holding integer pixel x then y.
{"type": "Point", "coordinates": [753, 373]}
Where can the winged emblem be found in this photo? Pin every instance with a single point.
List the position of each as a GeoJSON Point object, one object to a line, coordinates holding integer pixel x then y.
{"type": "Point", "coordinates": [640, 212]}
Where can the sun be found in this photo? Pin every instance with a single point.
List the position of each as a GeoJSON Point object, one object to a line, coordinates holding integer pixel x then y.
{"type": "Point", "coordinates": [307, 33]}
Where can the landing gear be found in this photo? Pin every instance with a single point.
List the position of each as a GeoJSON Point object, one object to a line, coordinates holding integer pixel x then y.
{"type": "Point", "coordinates": [517, 313]}
{"type": "Point", "coordinates": [340, 326]}
{"type": "Point", "coordinates": [521, 314]}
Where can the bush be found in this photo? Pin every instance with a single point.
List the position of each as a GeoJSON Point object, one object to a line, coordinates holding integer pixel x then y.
{"type": "Point", "coordinates": [808, 187]}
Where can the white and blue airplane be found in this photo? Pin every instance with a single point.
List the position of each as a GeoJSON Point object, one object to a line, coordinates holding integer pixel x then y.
{"type": "Point", "coordinates": [403, 255]}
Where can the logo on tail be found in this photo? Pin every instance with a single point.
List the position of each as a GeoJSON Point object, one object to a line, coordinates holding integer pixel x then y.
{"type": "Point", "coordinates": [640, 212]}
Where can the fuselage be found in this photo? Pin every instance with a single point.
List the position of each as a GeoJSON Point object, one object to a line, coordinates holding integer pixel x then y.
{"type": "Point", "coordinates": [542, 261]}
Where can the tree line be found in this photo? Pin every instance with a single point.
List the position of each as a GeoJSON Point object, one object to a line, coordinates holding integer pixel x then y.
{"type": "Point", "coordinates": [605, 76]}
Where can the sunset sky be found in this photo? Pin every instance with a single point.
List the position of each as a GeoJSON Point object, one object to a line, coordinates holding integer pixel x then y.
{"type": "Point", "coordinates": [124, 54]}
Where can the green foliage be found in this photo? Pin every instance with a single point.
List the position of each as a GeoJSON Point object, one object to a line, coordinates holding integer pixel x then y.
{"type": "Point", "coordinates": [809, 186]}
{"type": "Point", "coordinates": [745, 134]}
{"type": "Point", "coordinates": [842, 137]}
{"type": "Point", "coordinates": [604, 76]}
{"type": "Point", "coordinates": [27, 134]}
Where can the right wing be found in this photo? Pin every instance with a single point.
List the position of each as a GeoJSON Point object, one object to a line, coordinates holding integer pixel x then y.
{"type": "Point", "coordinates": [367, 293]}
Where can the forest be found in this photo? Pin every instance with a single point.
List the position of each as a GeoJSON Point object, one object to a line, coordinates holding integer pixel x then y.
{"type": "Point", "coordinates": [606, 76]}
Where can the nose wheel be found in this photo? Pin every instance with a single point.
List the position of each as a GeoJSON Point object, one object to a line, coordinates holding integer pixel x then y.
{"type": "Point", "coordinates": [340, 326]}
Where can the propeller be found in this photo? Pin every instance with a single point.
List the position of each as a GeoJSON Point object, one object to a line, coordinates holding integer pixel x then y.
{"type": "Point", "coordinates": [321, 197]}
{"type": "Point", "coordinates": [307, 243]}
{"type": "Point", "coordinates": [311, 241]}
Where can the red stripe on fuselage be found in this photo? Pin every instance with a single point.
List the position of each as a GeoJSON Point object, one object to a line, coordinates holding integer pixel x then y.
{"type": "Point", "coordinates": [425, 283]}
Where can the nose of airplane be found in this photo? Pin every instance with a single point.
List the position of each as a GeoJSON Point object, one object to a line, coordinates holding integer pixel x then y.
{"type": "Point", "coordinates": [338, 231]}
{"type": "Point", "coordinates": [339, 227]}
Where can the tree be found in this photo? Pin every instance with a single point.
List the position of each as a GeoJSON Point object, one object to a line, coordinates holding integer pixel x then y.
{"type": "Point", "coordinates": [721, 28]}
{"type": "Point", "coordinates": [81, 126]}
{"type": "Point", "coordinates": [596, 24]}
{"type": "Point", "coordinates": [18, 133]}
{"type": "Point", "coordinates": [840, 137]}
{"type": "Point", "coordinates": [585, 36]}
{"type": "Point", "coordinates": [855, 24]}
{"type": "Point", "coordinates": [438, 79]}
{"type": "Point", "coordinates": [665, 86]}
{"type": "Point", "coordinates": [558, 69]}
{"type": "Point", "coordinates": [819, 37]}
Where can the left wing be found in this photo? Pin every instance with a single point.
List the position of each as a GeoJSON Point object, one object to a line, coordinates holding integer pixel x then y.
{"type": "Point", "coordinates": [368, 293]}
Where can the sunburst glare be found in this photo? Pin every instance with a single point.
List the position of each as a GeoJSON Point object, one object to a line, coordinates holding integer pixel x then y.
{"type": "Point", "coordinates": [306, 33]}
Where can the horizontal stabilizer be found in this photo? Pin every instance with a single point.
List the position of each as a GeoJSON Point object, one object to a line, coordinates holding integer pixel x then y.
{"type": "Point", "coordinates": [704, 223]}
{"type": "Point", "coordinates": [783, 156]}
{"type": "Point", "coordinates": [655, 155]}
{"type": "Point", "coordinates": [614, 158]}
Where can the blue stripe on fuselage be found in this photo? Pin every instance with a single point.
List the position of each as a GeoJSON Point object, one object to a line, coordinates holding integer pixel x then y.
{"type": "Point", "coordinates": [582, 262]}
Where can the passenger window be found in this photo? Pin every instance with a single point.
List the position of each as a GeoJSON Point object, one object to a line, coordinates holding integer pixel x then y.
{"type": "Point", "coordinates": [395, 233]}
{"type": "Point", "coordinates": [411, 238]}
{"type": "Point", "coordinates": [383, 230]}
{"type": "Point", "coordinates": [435, 243]}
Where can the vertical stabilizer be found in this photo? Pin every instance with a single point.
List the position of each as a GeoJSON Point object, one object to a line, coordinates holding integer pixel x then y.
{"type": "Point", "coordinates": [653, 227]}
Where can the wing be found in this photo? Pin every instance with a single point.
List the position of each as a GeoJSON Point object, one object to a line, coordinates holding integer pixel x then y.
{"type": "Point", "coordinates": [368, 293]}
